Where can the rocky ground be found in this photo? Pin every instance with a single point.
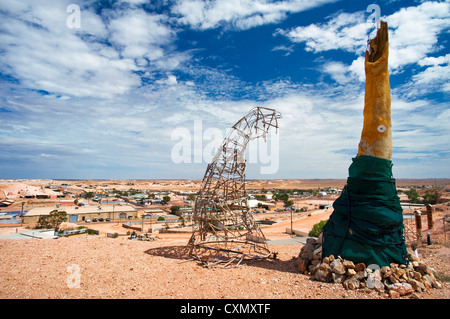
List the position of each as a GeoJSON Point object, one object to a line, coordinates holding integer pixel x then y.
{"type": "Point", "coordinates": [100, 267]}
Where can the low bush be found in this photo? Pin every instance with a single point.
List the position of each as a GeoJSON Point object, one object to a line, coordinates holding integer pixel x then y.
{"type": "Point", "coordinates": [317, 229]}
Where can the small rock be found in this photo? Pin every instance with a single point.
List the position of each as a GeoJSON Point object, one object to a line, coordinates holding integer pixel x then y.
{"type": "Point", "coordinates": [313, 268]}
{"type": "Point", "coordinates": [393, 294]}
{"type": "Point", "coordinates": [417, 275]}
{"type": "Point", "coordinates": [400, 272]}
{"type": "Point", "coordinates": [401, 288]}
{"type": "Point", "coordinates": [425, 269]}
{"type": "Point", "coordinates": [393, 279]}
{"type": "Point", "coordinates": [437, 285]}
{"type": "Point", "coordinates": [322, 275]}
{"type": "Point", "coordinates": [415, 285]}
{"type": "Point", "coordinates": [325, 267]}
{"type": "Point", "coordinates": [428, 279]}
{"type": "Point", "coordinates": [360, 266]}
{"type": "Point", "coordinates": [351, 272]}
{"type": "Point", "coordinates": [315, 262]}
{"type": "Point", "coordinates": [361, 275]}
{"type": "Point", "coordinates": [385, 271]}
{"type": "Point", "coordinates": [337, 278]}
{"type": "Point", "coordinates": [301, 265]}
{"type": "Point", "coordinates": [351, 283]}
{"type": "Point", "coordinates": [348, 264]}
{"type": "Point", "coordinates": [337, 267]}
{"type": "Point", "coordinates": [317, 252]}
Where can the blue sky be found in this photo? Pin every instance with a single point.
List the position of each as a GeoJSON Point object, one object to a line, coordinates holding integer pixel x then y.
{"type": "Point", "coordinates": [104, 99]}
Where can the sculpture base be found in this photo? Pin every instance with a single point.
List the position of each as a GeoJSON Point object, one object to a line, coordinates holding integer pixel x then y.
{"type": "Point", "coordinates": [367, 222]}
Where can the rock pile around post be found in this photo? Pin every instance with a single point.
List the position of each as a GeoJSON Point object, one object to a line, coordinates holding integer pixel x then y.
{"type": "Point", "coordinates": [396, 280]}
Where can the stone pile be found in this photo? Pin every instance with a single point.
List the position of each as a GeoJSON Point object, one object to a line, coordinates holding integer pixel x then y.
{"type": "Point", "coordinates": [396, 280]}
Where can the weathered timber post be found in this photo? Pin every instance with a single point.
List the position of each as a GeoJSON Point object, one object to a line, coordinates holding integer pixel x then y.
{"type": "Point", "coordinates": [418, 216]}
{"type": "Point", "coordinates": [430, 210]}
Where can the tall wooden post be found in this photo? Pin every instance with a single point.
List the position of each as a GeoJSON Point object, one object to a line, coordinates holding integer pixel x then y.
{"type": "Point", "coordinates": [417, 214]}
{"type": "Point", "coordinates": [430, 216]}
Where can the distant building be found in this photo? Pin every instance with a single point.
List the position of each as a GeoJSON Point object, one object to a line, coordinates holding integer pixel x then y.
{"type": "Point", "coordinates": [80, 214]}
{"type": "Point", "coordinates": [254, 203]}
{"type": "Point", "coordinates": [67, 202]}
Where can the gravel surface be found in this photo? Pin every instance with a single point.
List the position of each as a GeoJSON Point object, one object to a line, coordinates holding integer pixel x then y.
{"type": "Point", "coordinates": [122, 268]}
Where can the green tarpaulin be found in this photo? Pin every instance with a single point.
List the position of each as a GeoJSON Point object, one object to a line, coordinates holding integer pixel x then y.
{"type": "Point", "coordinates": [367, 222]}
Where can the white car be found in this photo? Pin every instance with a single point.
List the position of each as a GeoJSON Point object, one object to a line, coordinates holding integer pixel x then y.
{"type": "Point", "coordinates": [88, 220]}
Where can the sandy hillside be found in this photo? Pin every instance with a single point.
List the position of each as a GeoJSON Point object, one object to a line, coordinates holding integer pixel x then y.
{"type": "Point", "coordinates": [122, 268]}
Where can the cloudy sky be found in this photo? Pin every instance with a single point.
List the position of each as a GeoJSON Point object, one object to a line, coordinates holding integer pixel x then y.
{"type": "Point", "coordinates": [113, 89]}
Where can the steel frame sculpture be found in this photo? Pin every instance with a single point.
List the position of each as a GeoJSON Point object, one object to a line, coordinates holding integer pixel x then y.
{"type": "Point", "coordinates": [225, 232]}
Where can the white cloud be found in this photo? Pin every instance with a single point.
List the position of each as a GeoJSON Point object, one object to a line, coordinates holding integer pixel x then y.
{"type": "Point", "coordinates": [436, 74]}
{"type": "Point", "coordinates": [238, 14]}
{"type": "Point", "coordinates": [413, 35]}
{"type": "Point", "coordinates": [139, 34]}
{"type": "Point", "coordinates": [415, 30]}
{"type": "Point", "coordinates": [338, 71]}
{"type": "Point", "coordinates": [345, 31]}
{"type": "Point", "coordinates": [97, 60]}
{"type": "Point", "coordinates": [171, 80]}
{"type": "Point", "coordinates": [287, 49]}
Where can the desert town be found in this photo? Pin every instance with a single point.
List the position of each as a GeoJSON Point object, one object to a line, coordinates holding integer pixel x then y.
{"type": "Point", "coordinates": [129, 238]}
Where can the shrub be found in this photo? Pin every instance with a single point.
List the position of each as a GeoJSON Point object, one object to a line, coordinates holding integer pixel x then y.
{"type": "Point", "coordinates": [317, 229]}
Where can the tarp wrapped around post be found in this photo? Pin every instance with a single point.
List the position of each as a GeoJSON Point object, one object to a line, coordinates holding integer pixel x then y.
{"type": "Point", "coordinates": [367, 222]}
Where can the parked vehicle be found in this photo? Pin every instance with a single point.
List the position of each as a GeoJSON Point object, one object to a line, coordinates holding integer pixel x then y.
{"type": "Point", "coordinates": [88, 220]}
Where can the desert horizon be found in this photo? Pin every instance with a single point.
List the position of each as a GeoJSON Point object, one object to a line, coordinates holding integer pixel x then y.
{"type": "Point", "coordinates": [250, 183]}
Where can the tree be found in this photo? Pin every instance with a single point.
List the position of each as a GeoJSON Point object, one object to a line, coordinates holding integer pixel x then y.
{"type": "Point", "coordinates": [53, 220]}
{"type": "Point", "coordinates": [413, 196]}
{"type": "Point", "coordinates": [261, 197]}
{"type": "Point", "coordinates": [89, 195]}
{"type": "Point", "coordinates": [284, 197]}
{"type": "Point", "coordinates": [288, 203]}
{"type": "Point", "coordinates": [430, 198]}
{"type": "Point", "coordinates": [166, 199]}
{"type": "Point", "coordinates": [192, 196]}
{"type": "Point", "coordinates": [174, 209]}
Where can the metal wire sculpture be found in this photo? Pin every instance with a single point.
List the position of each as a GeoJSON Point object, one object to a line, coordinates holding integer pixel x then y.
{"type": "Point", "coordinates": [225, 232]}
